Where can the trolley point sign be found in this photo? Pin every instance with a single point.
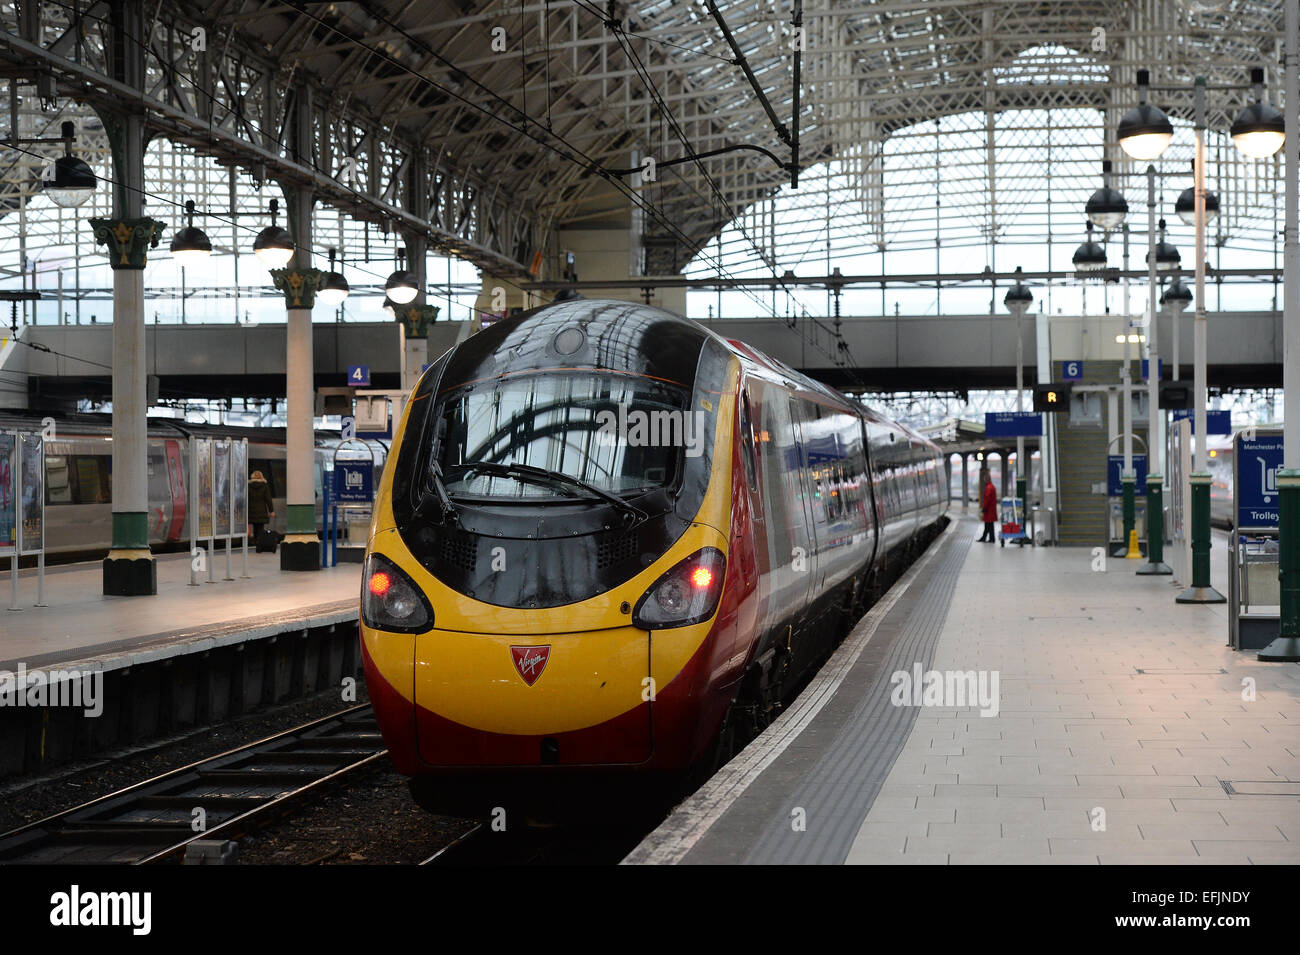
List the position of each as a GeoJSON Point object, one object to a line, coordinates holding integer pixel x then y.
{"type": "Point", "coordinates": [1115, 475]}
{"type": "Point", "coordinates": [1257, 460]}
{"type": "Point", "coordinates": [354, 482]}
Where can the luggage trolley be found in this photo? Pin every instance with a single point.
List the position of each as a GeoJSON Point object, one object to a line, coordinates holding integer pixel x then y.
{"type": "Point", "coordinates": [1013, 522]}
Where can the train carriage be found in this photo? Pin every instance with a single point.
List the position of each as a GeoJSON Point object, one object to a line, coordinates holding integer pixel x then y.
{"type": "Point", "coordinates": [79, 468]}
{"type": "Point", "coordinates": [551, 593]}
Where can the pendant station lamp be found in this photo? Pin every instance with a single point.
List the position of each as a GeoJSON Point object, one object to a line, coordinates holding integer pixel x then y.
{"type": "Point", "coordinates": [1185, 207]}
{"type": "Point", "coordinates": [1176, 294]}
{"type": "Point", "coordinates": [333, 287]}
{"type": "Point", "coordinates": [274, 245]}
{"type": "Point", "coordinates": [402, 286]}
{"type": "Point", "coordinates": [69, 181]}
{"type": "Point", "coordinates": [1144, 131]}
{"type": "Point", "coordinates": [1260, 129]}
{"type": "Point", "coordinates": [190, 245]}
{"type": "Point", "coordinates": [1019, 297]}
{"type": "Point", "coordinates": [1106, 208]}
{"type": "Point", "coordinates": [1167, 257]}
{"type": "Point", "coordinates": [1089, 256]}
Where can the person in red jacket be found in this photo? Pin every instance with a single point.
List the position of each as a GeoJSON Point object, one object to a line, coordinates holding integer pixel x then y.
{"type": "Point", "coordinates": [988, 509]}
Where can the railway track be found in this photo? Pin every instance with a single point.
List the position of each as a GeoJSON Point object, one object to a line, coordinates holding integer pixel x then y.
{"type": "Point", "coordinates": [560, 845]}
{"type": "Point", "coordinates": [220, 798]}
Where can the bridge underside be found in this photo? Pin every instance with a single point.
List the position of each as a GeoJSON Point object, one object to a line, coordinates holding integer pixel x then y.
{"type": "Point", "coordinates": [895, 354]}
{"type": "Point", "coordinates": [977, 352]}
{"type": "Point", "coordinates": [932, 378]}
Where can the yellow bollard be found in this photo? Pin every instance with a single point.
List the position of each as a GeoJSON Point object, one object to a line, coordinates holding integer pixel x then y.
{"type": "Point", "coordinates": [1133, 552]}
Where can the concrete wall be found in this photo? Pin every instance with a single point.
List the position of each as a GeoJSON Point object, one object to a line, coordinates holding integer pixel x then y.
{"type": "Point", "coordinates": [198, 685]}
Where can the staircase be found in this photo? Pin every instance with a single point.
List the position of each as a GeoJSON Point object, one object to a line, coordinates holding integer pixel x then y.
{"type": "Point", "coordinates": [1082, 520]}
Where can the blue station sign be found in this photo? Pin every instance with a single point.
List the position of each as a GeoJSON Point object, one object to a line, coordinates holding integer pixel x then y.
{"type": "Point", "coordinates": [1013, 424]}
{"type": "Point", "coordinates": [1114, 473]}
{"type": "Point", "coordinates": [354, 482]}
{"type": "Point", "coordinates": [1258, 458]}
{"type": "Point", "coordinates": [1216, 422]}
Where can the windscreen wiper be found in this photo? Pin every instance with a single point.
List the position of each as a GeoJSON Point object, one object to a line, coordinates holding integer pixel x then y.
{"type": "Point", "coordinates": [440, 491]}
{"type": "Point", "coordinates": [531, 473]}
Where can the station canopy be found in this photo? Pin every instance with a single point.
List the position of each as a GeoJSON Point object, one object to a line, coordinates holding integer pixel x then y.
{"type": "Point", "coordinates": [1006, 108]}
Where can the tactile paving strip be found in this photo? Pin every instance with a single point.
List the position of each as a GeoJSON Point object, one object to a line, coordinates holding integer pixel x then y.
{"type": "Point", "coordinates": [837, 792]}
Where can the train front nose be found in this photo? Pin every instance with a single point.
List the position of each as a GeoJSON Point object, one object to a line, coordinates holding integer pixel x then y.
{"type": "Point", "coordinates": [533, 700]}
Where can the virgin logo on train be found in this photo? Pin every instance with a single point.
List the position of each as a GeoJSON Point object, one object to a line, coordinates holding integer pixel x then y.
{"type": "Point", "coordinates": [530, 661]}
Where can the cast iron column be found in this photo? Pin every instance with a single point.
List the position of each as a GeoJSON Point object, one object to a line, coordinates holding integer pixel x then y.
{"type": "Point", "coordinates": [1200, 592]}
{"type": "Point", "coordinates": [1286, 648]}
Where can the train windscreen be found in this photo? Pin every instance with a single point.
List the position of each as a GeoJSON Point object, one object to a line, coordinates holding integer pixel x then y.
{"type": "Point", "coordinates": [618, 433]}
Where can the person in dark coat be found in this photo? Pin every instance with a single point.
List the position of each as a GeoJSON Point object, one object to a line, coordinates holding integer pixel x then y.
{"type": "Point", "coordinates": [261, 509]}
{"type": "Point", "coordinates": [988, 509]}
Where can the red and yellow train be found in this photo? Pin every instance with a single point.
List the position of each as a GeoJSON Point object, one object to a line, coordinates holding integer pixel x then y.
{"type": "Point", "coordinates": [611, 542]}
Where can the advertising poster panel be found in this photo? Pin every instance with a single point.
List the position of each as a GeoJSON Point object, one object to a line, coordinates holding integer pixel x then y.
{"type": "Point", "coordinates": [240, 488]}
{"type": "Point", "coordinates": [32, 496]}
{"type": "Point", "coordinates": [221, 482]}
{"type": "Point", "coordinates": [8, 495]}
{"type": "Point", "coordinates": [204, 448]}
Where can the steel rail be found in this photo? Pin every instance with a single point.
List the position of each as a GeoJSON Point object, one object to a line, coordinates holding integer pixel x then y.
{"type": "Point", "coordinates": [148, 821]}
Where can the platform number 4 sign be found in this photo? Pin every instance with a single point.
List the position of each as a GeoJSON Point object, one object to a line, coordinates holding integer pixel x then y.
{"type": "Point", "coordinates": [358, 375]}
{"type": "Point", "coordinates": [1072, 371]}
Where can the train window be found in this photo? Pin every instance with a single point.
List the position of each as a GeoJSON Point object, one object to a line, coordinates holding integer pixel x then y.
{"type": "Point", "coordinates": [779, 458]}
{"type": "Point", "coordinates": [92, 479]}
{"type": "Point", "coordinates": [279, 479]}
{"type": "Point", "coordinates": [58, 490]}
{"type": "Point", "coordinates": [747, 452]}
{"type": "Point", "coordinates": [158, 481]}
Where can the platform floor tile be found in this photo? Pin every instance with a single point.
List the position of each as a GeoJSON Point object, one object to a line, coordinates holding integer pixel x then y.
{"type": "Point", "coordinates": [1119, 709]}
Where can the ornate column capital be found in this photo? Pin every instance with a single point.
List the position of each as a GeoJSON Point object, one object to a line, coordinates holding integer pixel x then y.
{"type": "Point", "coordinates": [128, 240]}
{"type": "Point", "coordinates": [298, 285]}
{"type": "Point", "coordinates": [417, 319]}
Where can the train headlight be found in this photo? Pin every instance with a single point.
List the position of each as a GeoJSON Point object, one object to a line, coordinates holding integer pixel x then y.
{"type": "Point", "coordinates": [686, 594]}
{"type": "Point", "coordinates": [390, 600]}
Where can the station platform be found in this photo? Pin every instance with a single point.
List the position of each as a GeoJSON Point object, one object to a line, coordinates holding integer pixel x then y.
{"type": "Point", "coordinates": [1120, 729]}
{"type": "Point", "coordinates": [81, 627]}
{"type": "Point", "coordinates": [184, 657]}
